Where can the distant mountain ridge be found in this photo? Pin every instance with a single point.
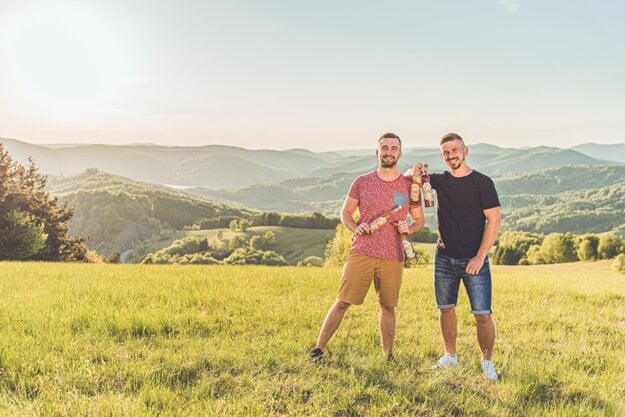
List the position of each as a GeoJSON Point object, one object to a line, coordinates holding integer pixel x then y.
{"type": "Point", "coordinates": [228, 167]}
{"type": "Point", "coordinates": [615, 153]}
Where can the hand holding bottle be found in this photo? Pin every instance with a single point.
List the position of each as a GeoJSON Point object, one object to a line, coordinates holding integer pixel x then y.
{"type": "Point", "coordinates": [417, 170]}
{"type": "Point", "coordinates": [403, 227]}
{"type": "Point", "coordinates": [362, 229]}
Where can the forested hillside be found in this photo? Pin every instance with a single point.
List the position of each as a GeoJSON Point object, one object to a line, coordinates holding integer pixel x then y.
{"type": "Point", "coordinates": [586, 211]}
{"type": "Point", "coordinates": [117, 213]}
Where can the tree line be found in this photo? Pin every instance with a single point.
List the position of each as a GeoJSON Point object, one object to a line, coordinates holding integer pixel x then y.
{"type": "Point", "coordinates": [524, 248]}
{"type": "Point", "coordinates": [236, 251]}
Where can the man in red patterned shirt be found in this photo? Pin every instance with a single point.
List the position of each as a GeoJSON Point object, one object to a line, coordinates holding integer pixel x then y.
{"type": "Point", "coordinates": [375, 256]}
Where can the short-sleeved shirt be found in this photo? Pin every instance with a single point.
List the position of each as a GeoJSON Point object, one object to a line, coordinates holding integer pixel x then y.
{"type": "Point", "coordinates": [461, 205]}
{"type": "Point", "coordinates": [375, 197]}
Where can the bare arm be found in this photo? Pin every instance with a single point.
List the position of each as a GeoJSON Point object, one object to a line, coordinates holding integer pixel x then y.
{"type": "Point", "coordinates": [347, 217]}
{"type": "Point", "coordinates": [493, 220]}
{"type": "Point", "coordinates": [418, 221]}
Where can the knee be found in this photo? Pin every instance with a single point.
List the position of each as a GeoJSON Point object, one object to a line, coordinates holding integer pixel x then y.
{"type": "Point", "coordinates": [482, 318]}
{"type": "Point", "coordinates": [447, 311]}
{"type": "Point", "coordinates": [341, 305]}
{"type": "Point", "coordinates": [386, 309]}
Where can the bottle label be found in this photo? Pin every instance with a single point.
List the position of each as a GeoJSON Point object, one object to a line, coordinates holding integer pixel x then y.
{"type": "Point", "coordinates": [410, 254]}
{"type": "Point", "coordinates": [415, 193]}
{"type": "Point", "coordinates": [377, 223]}
{"type": "Point", "coordinates": [428, 198]}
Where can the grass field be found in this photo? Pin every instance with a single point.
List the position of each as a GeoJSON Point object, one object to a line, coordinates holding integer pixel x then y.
{"type": "Point", "coordinates": [145, 340]}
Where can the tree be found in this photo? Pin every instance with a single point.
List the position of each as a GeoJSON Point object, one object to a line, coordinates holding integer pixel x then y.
{"type": "Point", "coordinates": [22, 189]}
{"type": "Point", "coordinates": [424, 235]}
{"type": "Point", "coordinates": [558, 248]}
{"type": "Point", "coordinates": [534, 257]}
{"type": "Point", "coordinates": [609, 246]}
{"type": "Point", "coordinates": [339, 247]}
{"type": "Point", "coordinates": [513, 246]}
{"type": "Point", "coordinates": [244, 225]}
{"type": "Point", "coordinates": [587, 247]}
{"type": "Point", "coordinates": [256, 242]}
{"type": "Point", "coordinates": [238, 242]}
{"type": "Point", "coordinates": [270, 238]}
{"type": "Point", "coordinates": [234, 225]}
{"type": "Point", "coordinates": [22, 238]}
{"type": "Point", "coordinates": [507, 255]}
{"type": "Point", "coordinates": [220, 234]}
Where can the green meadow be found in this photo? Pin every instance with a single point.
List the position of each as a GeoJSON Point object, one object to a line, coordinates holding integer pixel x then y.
{"type": "Point", "coordinates": [155, 340]}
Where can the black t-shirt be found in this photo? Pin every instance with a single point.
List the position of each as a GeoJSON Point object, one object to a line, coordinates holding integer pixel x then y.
{"type": "Point", "coordinates": [461, 205]}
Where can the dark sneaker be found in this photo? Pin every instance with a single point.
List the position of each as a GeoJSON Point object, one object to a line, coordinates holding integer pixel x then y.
{"type": "Point", "coordinates": [390, 358]}
{"type": "Point", "coordinates": [316, 355]}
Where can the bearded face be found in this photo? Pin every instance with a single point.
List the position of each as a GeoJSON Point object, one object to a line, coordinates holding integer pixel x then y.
{"type": "Point", "coordinates": [388, 152]}
{"type": "Point", "coordinates": [454, 153]}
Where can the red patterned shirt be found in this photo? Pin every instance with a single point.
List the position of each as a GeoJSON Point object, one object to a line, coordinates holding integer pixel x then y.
{"type": "Point", "coordinates": [375, 197]}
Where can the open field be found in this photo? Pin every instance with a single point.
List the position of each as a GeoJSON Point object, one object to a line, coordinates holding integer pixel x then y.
{"type": "Point", "coordinates": [144, 340]}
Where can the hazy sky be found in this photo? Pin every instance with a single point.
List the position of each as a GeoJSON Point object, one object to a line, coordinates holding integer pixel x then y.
{"type": "Point", "coordinates": [313, 74]}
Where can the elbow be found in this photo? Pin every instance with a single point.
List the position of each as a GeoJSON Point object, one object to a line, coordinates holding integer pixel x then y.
{"type": "Point", "coordinates": [418, 225]}
{"type": "Point", "coordinates": [345, 217]}
{"type": "Point", "coordinates": [495, 223]}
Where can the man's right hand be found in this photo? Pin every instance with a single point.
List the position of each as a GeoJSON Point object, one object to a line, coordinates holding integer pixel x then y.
{"type": "Point", "coordinates": [362, 229]}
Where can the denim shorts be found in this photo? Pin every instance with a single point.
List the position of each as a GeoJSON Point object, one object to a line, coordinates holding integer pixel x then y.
{"type": "Point", "coordinates": [448, 272]}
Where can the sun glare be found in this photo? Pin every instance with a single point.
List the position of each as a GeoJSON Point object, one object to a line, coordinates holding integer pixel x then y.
{"type": "Point", "coordinates": [63, 58]}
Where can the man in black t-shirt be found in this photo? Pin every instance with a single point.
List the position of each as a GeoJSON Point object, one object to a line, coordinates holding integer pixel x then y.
{"type": "Point", "coordinates": [468, 222]}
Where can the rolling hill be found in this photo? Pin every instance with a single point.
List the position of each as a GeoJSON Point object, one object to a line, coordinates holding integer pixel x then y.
{"type": "Point", "coordinates": [117, 213]}
{"type": "Point", "coordinates": [615, 152]}
{"type": "Point", "coordinates": [226, 167]}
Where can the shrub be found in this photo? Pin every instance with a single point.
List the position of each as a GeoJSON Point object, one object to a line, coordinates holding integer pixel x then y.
{"type": "Point", "coordinates": [247, 256]}
{"type": "Point", "coordinates": [311, 261]}
{"type": "Point", "coordinates": [92, 257]}
{"type": "Point", "coordinates": [423, 259]}
{"type": "Point", "coordinates": [619, 263]}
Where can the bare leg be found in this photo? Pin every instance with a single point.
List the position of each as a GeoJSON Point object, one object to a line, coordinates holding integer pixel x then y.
{"type": "Point", "coordinates": [387, 328]}
{"type": "Point", "coordinates": [447, 321]}
{"type": "Point", "coordinates": [331, 323]}
{"type": "Point", "coordinates": [485, 334]}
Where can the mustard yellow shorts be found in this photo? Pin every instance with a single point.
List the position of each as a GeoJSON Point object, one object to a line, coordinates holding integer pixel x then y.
{"type": "Point", "coordinates": [358, 272]}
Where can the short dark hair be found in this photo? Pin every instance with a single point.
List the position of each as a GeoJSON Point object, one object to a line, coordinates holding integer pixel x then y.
{"type": "Point", "coordinates": [389, 135]}
{"type": "Point", "coordinates": [451, 137]}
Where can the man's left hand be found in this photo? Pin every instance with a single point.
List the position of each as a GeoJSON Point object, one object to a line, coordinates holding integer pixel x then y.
{"type": "Point", "coordinates": [475, 265]}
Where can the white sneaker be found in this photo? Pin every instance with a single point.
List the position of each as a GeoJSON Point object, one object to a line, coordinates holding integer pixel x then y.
{"type": "Point", "coordinates": [489, 370]}
{"type": "Point", "coordinates": [446, 361]}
